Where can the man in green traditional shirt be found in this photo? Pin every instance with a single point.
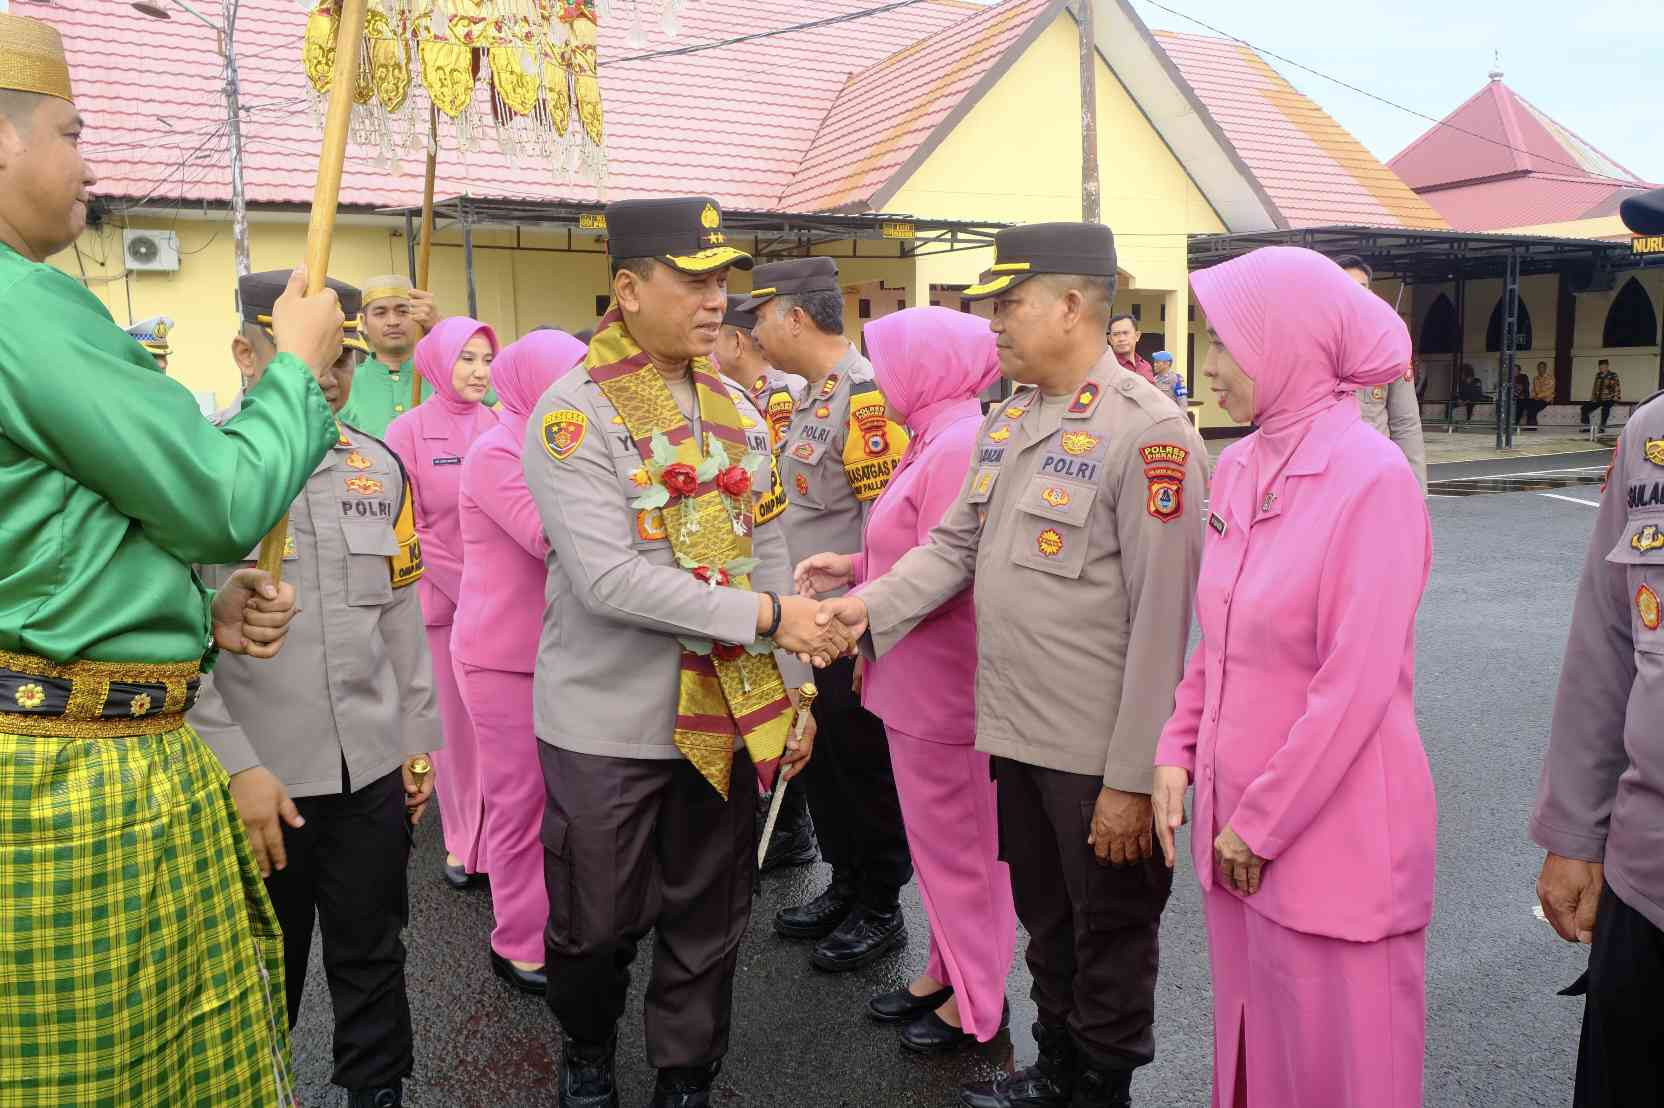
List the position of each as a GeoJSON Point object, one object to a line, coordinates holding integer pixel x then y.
{"type": "Point", "coordinates": [396, 316]}
{"type": "Point", "coordinates": [144, 965]}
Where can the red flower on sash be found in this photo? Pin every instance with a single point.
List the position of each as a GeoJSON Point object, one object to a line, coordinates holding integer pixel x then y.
{"type": "Point", "coordinates": [727, 651]}
{"type": "Point", "coordinates": [734, 481]}
{"type": "Point", "coordinates": [711, 575]}
{"type": "Point", "coordinates": [680, 478]}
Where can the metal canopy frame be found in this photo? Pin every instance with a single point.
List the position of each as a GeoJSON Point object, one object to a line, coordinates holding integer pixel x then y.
{"type": "Point", "coordinates": [1438, 257]}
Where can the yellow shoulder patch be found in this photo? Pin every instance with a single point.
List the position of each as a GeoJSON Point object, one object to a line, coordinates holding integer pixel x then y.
{"type": "Point", "coordinates": [405, 567]}
{"type": "Point", "coordinates": [769, 505]}
{"type": "Point", "coordinates": [781, 407]}
{"type": "Point", "coordinates": [874, 445]}
{"type": "Point", "coordinates": [563, 432]}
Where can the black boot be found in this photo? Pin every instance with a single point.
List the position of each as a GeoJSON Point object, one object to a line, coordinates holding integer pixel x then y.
{"type": "Point", "coordinates": [793, 843]}
{"type": "Point", "coordinates": [1101, 1088]}
{"type": "Point", "coordinates": [864, 936]}
{"type": "Point", "coordinates": [387, 1096]}
{"type": "Point", "coordinates": [821, 916]}
{"type": "Point", "coordinates": [1049, 1083]}
{"type": "Point", "coordinates": [586, 1074]}
{"type": "Point", "coordinates": [685, 1086]}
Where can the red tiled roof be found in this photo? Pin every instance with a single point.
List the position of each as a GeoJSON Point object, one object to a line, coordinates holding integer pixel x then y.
{"type": "Point", "coordinates": [1497, 161]}
{"type": "Point", "coordinates": [1312, 170]}
{"type": "Point", "coordinates": [734, 122]}
{"type": "Point", "coordinates": [888, 111]}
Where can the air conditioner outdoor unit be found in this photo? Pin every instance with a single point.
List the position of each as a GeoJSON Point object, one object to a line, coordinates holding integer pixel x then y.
{"type": "Point", "coordinates": [151, 251]}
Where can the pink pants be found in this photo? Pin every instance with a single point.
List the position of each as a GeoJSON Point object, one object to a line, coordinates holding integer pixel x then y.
{"type": "Point", "coordinates": [511, 783]}
{"type": "Point", "coordinates": [1325, 1021]}
{"type": "Point", "coordinates": [456, 764]}
{"type": "Point", "coordinates": [947, 804]}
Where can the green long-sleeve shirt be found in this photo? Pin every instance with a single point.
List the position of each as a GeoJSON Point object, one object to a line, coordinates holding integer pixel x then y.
{"type": "Point", "coordinates": [112, 483]}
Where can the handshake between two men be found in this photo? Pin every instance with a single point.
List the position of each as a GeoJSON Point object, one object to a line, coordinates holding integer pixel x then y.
{"type": "Point", "coordinates": [819, 632]}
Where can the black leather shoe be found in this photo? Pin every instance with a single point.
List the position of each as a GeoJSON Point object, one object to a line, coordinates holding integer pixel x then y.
{"type": "Point", "coordinates": [586, 1079]}
{"type": "Point", "coordinates": [385, 1097]}
{"type": "Point", "coordinates": [863, 937]}
{"type": "Point", "coordinates": [818, 918]}
{"type": "Point", "coordinates": [1097, 1088]}
{"type": "Point", "coordinates": [685, 1086]}
{"type": "Point", "coordinates": [931, 1034]}
{"type": "Point", "coordinates": [902, 1006]}
{"type": "Point", "coordinates": [457, 877]}
{"type": "Point", "coordinates": [1049, 1083]}
{"type": "Point", "coordinates": [535, 982]}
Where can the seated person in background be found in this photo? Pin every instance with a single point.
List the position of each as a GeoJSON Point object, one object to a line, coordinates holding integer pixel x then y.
{"type": "Point", "coordinates": [1526, 402]}
{"type": "Point", "coordinates": [1470, 391]}
{"type": "Point", "coordinates": [1607, 392]}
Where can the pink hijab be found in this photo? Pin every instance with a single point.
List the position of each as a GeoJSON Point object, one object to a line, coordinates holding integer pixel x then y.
{"type": "Point", "coordinates": [1306, 335]}
{"type": "Point", "coordinates": [929, 360]}
{"type": "Point", "coordinates": [524, 371]}
{"type": "Point", "coordinates": [436, 357]}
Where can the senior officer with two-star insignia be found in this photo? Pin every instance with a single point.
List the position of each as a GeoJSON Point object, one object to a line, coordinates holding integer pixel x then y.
{"type": "Point", "coordinates": [1600, 803]}
{"type": "Point", "coordinates": [659, 704]}
{"type": "Point", "coordinates": [325, 743]}
{"type": "Point", "coordinates": [837, 457]}
{"type": "Point", "coordinates": [1079, 529]}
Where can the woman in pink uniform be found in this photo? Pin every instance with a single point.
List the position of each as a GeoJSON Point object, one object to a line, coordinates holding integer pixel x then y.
{"type": "Point", "coordinates": [931, 363]}
{"type": "Point", "coordinates": [499, 617]}
{"type": "Point", "coordinates": [431, 440]}
{"type": "Point", "coordinates": [1296, 717]}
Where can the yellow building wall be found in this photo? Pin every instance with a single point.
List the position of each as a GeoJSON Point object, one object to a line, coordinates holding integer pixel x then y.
{"type": "Point", "coordinates": [1012, 160]}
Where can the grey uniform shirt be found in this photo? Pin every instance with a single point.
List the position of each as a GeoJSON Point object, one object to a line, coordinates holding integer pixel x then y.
{"type": "Point", "coordinates": [1395, 411]}
{"type": "Point", "coordinates": [1080, 526]}
{"type": "Point", "coordinates": [837, 457]}
{"type": "Point", "coordinates": [353, 684]}
{"type": "Point", "coordinates": [608, 658]}
{"type": "Point", "coordinates": [1601, 795]}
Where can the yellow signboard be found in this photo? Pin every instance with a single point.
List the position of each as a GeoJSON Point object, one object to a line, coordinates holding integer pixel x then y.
{"type": "Point", "coordinates": [592, 221]}
{"type": "Point", "coordinates": [1647, 244]}
{"type": "Point", "coordinates": [896, 230]}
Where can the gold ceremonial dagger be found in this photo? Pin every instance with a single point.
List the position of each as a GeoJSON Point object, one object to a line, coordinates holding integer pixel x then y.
{"type": "Point", "coordinates": [805, 699]}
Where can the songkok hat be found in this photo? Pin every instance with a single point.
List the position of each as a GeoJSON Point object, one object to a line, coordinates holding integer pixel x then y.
{"type": "Point", "coordinates": [1084, 249]}
{"type": "Point", "coordinates": [737, 316]}
{"type": "Point", "coordinates": [1644, 214]}
{"type": "Point", "coordinates": [684, 232]}
{"type": "Point", "coordinates": [32, 58]}
{"type": "Point", "coordinates": [258, 292]}
{"type": "Point", "coordinates": [791, 278]}
{"type": "Point", "coordinates": [152, 334]}
{"type": "Point", "coordinates": [390, 284]}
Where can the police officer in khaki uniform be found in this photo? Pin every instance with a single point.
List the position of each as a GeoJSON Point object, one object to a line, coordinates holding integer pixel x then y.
{"type": "Point", "coordinates": [837, 457]}
{"type": "Point", "coordinates": [152, 334]}
{"type": "Point", "coordinates": [650, 821]}
{"type": "Point", "coordinates": [774, 395]}
{"type": "Point", "coordinates": [1600, 804]}
{"type": "Point", "coordinates": [1394, 410]}
{"type": "Point", "coordinates": [1079, 528]}
{"type": "Point", "coordinates": [320, 741]}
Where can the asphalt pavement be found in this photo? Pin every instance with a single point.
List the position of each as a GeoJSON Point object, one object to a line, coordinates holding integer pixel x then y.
{"type": "Point", "coordinates": [1491, 632]}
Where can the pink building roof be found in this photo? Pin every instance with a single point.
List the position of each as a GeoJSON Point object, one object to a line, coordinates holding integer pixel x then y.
{"type": "Point", "coordinates": [1313, 172]}
{"type": "Point", "coordinates": [1498, 161]}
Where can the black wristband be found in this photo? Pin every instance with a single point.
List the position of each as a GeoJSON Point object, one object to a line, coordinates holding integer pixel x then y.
{"type": "Point", "coordinates": [774, 622]}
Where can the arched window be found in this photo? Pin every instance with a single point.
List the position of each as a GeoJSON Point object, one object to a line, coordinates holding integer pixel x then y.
{"type": "Point", "coordinates": [1438, 330]}
{"type": "Point", "coordinates": [1631, 320]}
{"type": "Point", "coordinates": [1522, 332]}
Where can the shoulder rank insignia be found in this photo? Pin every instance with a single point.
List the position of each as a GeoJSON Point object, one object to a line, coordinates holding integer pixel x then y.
{"type": "Point", "coordinates": [999, 435]}
{"type": "Point", "coordinates": [1646, 606]}
{"type": "Point", "coordinates": [1655, 451]}
{"type": "Point", "coordinates": [829, 386]}
{"type": "Point", "coordinates": [1084, 399]}
{"type": "Point", "coordinates": [563, 432]}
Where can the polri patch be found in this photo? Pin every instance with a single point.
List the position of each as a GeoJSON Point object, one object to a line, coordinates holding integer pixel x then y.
{"type": "Point", "coordinates": [563, 432]}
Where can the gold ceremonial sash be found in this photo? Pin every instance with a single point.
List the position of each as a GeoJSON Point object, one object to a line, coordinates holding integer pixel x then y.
{"type": "Point", "coordinates": [725, 691]}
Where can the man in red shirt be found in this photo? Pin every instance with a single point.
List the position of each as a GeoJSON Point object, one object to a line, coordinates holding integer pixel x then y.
{"type": "Point", "coordinates": [1123, 339]}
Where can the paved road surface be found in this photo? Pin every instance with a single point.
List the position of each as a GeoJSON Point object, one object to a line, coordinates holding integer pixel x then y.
{"type": "Point", "coordinates": [1491, 632]}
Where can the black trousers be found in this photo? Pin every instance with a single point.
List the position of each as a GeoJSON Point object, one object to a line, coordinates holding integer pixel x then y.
{"type": "Point", "coordinates": [852, 794]}
{"type": "Point", "coordinates": [1093, 928]}
{"type": "Point", "coordinates": [632, 846]}
{"type": "Point", "coordinates": [1620, 1059]}
{"type": "Point", "coordinates": [1605, 407]}
{"type": "Point", "coordinates": [346, 869]}
{"type": "Point", "coordinates": [1525, 411]}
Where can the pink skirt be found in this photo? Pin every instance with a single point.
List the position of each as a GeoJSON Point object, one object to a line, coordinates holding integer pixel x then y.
{"type": "Point", "coordinates": [1324, 1021]}
{"type": "Point", "coordinates": [456, 765]}
{"type": "Point", "coordinates": [947, 804]}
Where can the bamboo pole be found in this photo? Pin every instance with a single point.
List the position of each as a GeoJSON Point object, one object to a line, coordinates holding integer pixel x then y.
{"type": "Point", "coordinates": [326, 195]}
{"type": "Point", "coordinates": [425, 250]}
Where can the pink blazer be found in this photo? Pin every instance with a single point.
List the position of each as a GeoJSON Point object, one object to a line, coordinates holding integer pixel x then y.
{"type": "Point", "coordinates": [926, 686]}
{"type": "Point", "coordinates": [499, 612]}
{"type": "Point", "coordinates": [432, 444]}
{"type": "Point", "coordinates": [1296, 716]}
